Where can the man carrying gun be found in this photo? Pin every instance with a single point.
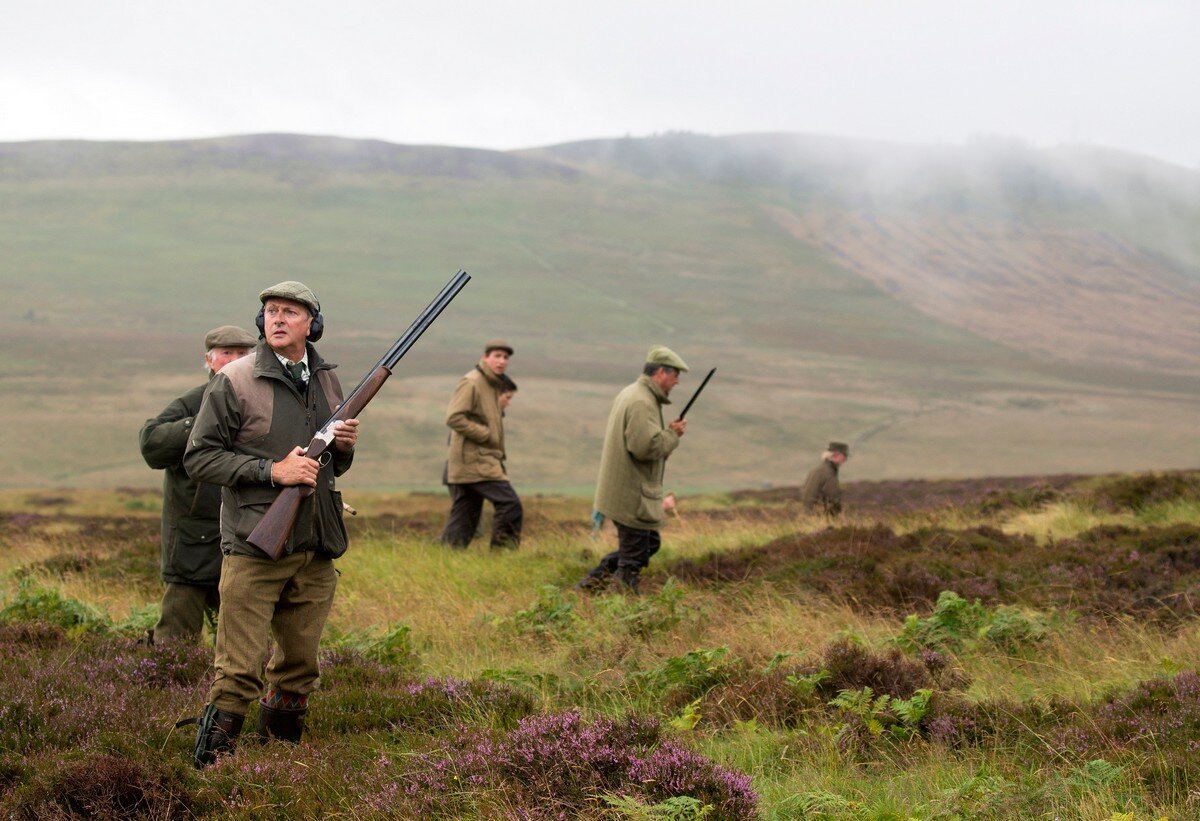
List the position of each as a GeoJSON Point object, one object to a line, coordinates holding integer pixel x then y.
{"type": "Point", "coordinates": [630, 486]}
{"type": "Point", "coordinates": [245, 439]}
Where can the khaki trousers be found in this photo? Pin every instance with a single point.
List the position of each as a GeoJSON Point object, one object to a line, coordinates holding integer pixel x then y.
{"type": "Point", "coordinates": [287, 600]}
{"type": "Point", "coordinates": [183, 609]}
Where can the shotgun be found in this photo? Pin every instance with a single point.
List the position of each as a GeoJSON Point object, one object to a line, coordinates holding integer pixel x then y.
{"type": "Point", "coordinates": [688, 406]}
{"type": "Point", "coordinates": [271, 534]}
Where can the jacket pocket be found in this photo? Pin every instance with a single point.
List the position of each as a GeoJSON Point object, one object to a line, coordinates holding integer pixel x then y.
{"type": "Point", "coordinates": [650, 504]}
{"type": "Point", "coordinates": [334, 539]}
{"type": "Point", "coordinates": [252, 506]}
{"type": "Point", "coordinates": [197, 549]}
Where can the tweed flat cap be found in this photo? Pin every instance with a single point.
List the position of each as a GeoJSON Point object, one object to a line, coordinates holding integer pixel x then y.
{"type": "Point", "coordinates": [228, 336]}
{"type": "Point", "coordinates": [662, 355]}
{"type": "Point", "coordinates": [295, 291]}
{"type": "Point", "coordinates": [497, 345]}
{"type": "Point", "coordinates": [839, 447]}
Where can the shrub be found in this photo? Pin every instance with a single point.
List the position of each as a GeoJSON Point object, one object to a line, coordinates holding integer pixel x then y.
{"type": "Point", "coordinates": [867, 718]}
{"type": "Point", "coordinates": [1137, 492]}
{"type": "Point", "coordinates": [644, 616]}
{"type": "Point", "coordinates": [429, 706]}
{"type": "Point", "coordinates": [101, 786]}
{"type": "Point", "coordinates": [557, 765]}
{"type": "Point", "coordinates": [552, 614]}
{"type": "Point", "coordinates": [851, 667]}
{"type": "Point", "coordinates": [1027, 498]}
{"type": "Point", "coordinates": [774, 699]}
{"type": "Point", "coordinates": [34, 603]}
{"type": "Point", "coordinates": [686, 677]}
{"type": "Point", "coordinates": [1105, 571]}
{"type": "Point", "coordinates": [20, 635]}
{"type": "Point", "coordinates": [1156, 724]}
{"type": "Point", "coordinates": [957, 624]}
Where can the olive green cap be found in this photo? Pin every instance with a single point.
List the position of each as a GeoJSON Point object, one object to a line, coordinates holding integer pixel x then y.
{"type": "Point", "coordinates": [295, 291]}
{"type": "Point", "coordinates": [228, 336]}
{"type": "Point", "coordinates": [662, 355]}
{"type": "Point", "coordinates": [497, 345]}
{"type": "Point", "coordinates": [839, 447]}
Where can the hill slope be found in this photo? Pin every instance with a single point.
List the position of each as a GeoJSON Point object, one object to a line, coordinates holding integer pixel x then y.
{"type": "Point", "coordinates": [989, 310]}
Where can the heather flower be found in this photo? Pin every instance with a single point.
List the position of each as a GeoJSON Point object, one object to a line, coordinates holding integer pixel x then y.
{"type": "Point", "coordinates": [555, 765]}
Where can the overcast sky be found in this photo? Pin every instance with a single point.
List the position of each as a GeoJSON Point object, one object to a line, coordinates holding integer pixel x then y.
{"type": "Point", "coordinates": [1118, 73]}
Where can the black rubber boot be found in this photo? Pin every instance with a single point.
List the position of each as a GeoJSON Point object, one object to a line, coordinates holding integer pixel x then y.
{"type": "Point", "coordinates": [594, 582]}
{"type": "Point", "coordinates": [284, 725]}
{"type": "Point", "coordinates": [626, 580]}
{"type": "Point", "coordinates": [217, 734]}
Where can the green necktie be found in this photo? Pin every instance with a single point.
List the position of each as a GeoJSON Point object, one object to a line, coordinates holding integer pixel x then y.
{"type": "Point", "coordinates": [296, 369]}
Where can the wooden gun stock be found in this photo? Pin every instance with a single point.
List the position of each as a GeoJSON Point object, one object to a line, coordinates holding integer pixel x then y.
{"type": "Point", "coordinates": [271, 534]}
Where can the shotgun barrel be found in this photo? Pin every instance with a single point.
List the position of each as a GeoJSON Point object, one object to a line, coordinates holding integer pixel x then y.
{"type": "Point", "coordinates": [688, 406]}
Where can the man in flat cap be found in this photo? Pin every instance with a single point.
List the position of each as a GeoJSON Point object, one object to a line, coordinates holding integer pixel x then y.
{"type": "Point", "coordinates": [191, 550]}
{"type": "Point", "coordinates": [249, 437]}
{"type": "Point", "coordinates": [630, 487]}
{"type": "Point", "coordinates": [475, 468]}
{"type": "Point", "coordinates": [822, 493]}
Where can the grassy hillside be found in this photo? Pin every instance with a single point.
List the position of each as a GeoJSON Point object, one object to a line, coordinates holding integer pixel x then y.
{"type": "Point", "coordinates": [986, 649]}
{"type": "Point", "coordinates": [760, 256]}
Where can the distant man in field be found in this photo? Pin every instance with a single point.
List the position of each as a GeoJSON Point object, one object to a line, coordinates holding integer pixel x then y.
{"type": "Point", "coordinates": [822, 493]}
{"type": "Point", "coordinates": [249, 437]}
{"type": "Point", "coordinates": [475, 468]}
{"type": "Point", "coordinates": [191, 547]}
{"type": "Point", "coordinates": [629, 489]}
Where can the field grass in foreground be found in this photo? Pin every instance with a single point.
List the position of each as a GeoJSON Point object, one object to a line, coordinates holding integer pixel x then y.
{"type": "Point", "coordinates": [1019, 648]}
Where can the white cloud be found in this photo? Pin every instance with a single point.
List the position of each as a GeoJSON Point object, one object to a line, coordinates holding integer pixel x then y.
{"type": "Point", "coordinates": [525, 73]}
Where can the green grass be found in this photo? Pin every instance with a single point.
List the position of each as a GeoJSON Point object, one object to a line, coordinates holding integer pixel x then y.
{"type": "Point", "coordinates": [699, 658]}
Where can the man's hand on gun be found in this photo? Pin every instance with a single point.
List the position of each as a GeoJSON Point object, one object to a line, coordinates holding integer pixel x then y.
{"type": "Point", "coordinates": [345, 435]}
{"type": "Point", "coordinates": [295, 469]}
{"type": "Point", "coordinates": [298, 469]}
{"type": "Point", "coordinates": [679, 426]}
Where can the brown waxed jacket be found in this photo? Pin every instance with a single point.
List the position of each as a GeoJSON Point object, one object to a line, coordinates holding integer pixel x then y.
{"type": "Point", "coordinates": [822, 492]}
{"type": "Point", "coordinates": [629, 489]}
{"type": "Point", "coordinates": [476, 430]}
{"type": "Point", "coordinates": [252, 416]}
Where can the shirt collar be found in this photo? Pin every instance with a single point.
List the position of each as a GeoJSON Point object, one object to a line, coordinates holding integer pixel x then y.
{"type": "Point", "coordinates": [283, 360]}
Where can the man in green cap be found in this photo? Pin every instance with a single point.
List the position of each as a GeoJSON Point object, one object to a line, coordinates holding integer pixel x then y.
{"type": "Point", "coordinates": [475, 468]}
{"type": "Point", "coordinates": [249, 437]}
{"type": "Point", "coordinates": [630, 486]}
{"type": "Point", "coordinates": [822, 493]}
{"type": "Point", "coordinates": [191, 552]}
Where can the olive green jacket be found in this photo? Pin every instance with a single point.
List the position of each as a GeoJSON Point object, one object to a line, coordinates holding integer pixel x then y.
{"type": "Point", "coordinates": [252, 416]}
{"type": "Point", "coordinates": [476, 430]}
{"type": "Point", "coordinates": [191, 547]}
{"type": "Point", "coordinates": [821, 489]}
{"type": "Point", "coordinates": [629, 489]}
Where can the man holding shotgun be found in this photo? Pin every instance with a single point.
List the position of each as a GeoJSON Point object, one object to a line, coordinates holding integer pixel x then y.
{"type": "Point", "coordinates": [629, 489]}
{"type": "Point", "coordinates": [245, 439]}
